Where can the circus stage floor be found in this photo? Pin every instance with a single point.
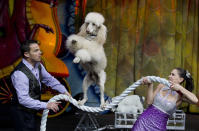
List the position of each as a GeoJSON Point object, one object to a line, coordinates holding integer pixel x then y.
{"type": "Point", "coordinates": [69, 122]}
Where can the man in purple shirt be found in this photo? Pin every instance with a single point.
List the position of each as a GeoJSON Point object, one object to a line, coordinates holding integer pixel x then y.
{"type": "Point", "coordinates": [26, 79]}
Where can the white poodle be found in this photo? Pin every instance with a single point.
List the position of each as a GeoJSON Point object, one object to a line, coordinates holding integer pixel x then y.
{"type": "Point", "coordinates": [132, 104]}
{"type": "Point", "coordinates": [87, 46]}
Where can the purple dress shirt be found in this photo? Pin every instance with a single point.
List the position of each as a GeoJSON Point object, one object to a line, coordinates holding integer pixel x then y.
{"type": "Point", "coordinates": [21, 84]}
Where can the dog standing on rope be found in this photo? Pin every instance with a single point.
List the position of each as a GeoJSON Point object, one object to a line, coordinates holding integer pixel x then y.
{"type": "Point", "coordinates": [87, 46]}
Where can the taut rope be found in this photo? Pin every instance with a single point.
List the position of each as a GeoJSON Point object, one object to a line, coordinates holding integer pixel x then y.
{"type": "Point", "coordinates": [98, 109]}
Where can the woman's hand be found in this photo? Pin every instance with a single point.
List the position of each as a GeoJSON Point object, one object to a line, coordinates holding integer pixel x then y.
{"type": "Point", "coordinates": [175, 87]}
{"type": "Point", "coordinates": [186, 95]}
{"type": "Point", "coordinates": [146, 81]}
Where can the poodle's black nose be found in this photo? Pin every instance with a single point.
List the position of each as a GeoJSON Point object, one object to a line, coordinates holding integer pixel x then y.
{"type": "Point", "coordinates": [74, 41]}
{"type": "Point", "coordinates": [88, 32]}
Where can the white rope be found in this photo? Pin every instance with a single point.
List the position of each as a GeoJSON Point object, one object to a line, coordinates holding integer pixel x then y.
{"type": "Point", "coordinates": [98, 109]}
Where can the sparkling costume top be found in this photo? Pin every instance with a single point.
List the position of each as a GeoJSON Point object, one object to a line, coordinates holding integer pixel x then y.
{"type": "Point", "coordinates": [163, 104]}
{"type": "Point", "coordinates": [155, 117]}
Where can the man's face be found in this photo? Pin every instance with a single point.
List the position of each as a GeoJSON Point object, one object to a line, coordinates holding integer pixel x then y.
{"type": "Point", "coordinates": [34, 55]}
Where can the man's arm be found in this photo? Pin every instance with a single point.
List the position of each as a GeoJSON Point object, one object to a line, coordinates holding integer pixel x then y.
{"type": "Point", "coordinates": [49, 80]}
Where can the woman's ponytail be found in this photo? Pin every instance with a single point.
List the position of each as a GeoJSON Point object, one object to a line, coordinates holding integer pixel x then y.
{"type": "Point", "coordinates": [189, 85]}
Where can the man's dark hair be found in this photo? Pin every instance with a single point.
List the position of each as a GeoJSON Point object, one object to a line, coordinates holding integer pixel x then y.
{"type": "Point", "coordinates": [25, 46]}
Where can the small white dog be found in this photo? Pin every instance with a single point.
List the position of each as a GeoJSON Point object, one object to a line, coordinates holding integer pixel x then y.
{"type": "Point", "coordinates": [131, 104]}
{"type": "Point", "coordinates": [92, 58]}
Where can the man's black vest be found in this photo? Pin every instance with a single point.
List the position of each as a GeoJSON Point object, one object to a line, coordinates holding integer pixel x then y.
{"type": "Point", "coordinates": [34, 87]}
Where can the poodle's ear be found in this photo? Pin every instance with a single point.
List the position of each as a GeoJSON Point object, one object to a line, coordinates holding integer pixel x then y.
{"type": "Point", "coordinates": [101, 35]}
{"type": "Point", "coordinates": [82, 30]}
{"type": "Point", "coordinates": [67, 43]}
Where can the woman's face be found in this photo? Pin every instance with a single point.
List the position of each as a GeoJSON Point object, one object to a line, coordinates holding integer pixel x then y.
{"type": "Point", "coordinates": [174, 77]}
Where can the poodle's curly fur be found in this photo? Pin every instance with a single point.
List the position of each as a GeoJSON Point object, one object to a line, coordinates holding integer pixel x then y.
{"type": "Point", "coordinates": [93, 28]}
{"type": "Point", "coordinates": [87, 46]}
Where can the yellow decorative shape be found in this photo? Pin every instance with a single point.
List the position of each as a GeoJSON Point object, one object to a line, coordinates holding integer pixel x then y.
{"type": "Point", "coordinates": [8, 69]}
{"type": "Point", "coordinates": [46, 96]}
{"type": "Point", "coordinates": [11, 7]}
